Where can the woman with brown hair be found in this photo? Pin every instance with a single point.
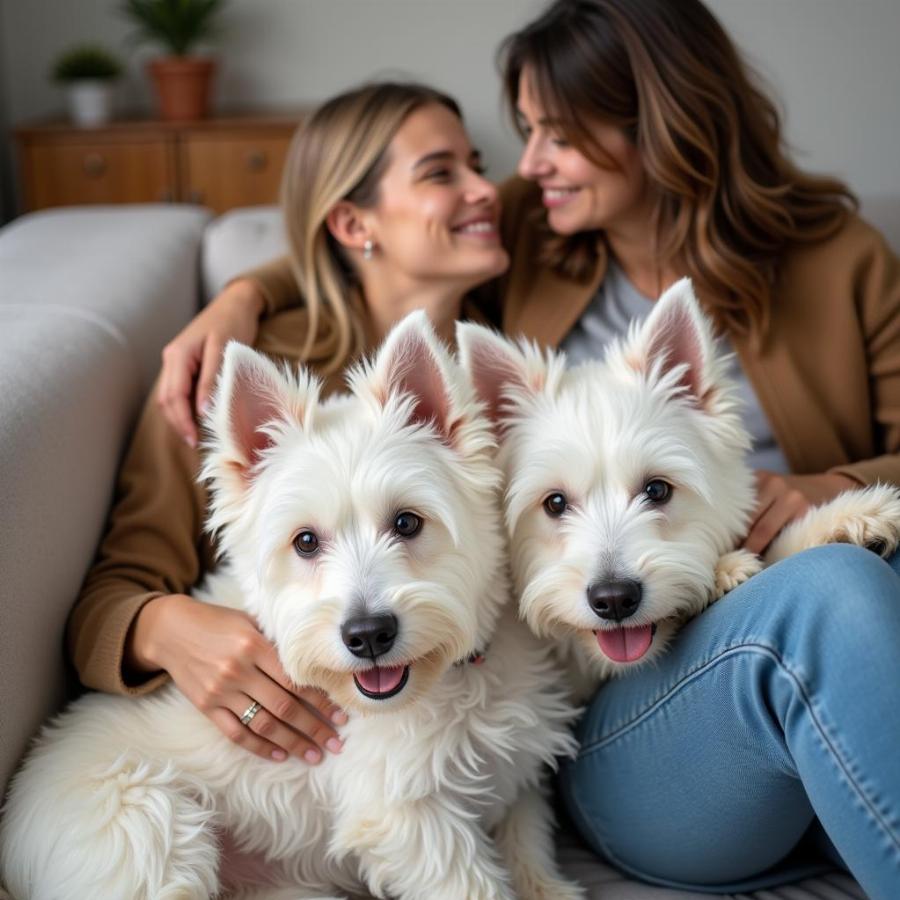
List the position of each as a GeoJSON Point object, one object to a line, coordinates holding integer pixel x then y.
{"type": "Point", "coordinates": [758, 744]}
{"type": "Point", "coordinates": [651, 154]}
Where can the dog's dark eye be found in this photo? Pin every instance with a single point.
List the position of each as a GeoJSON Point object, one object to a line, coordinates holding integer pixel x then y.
{"type": "Point", "coordinates": [306, 543]}
{"type": "Point", "coordinates": [407, 524]}
{"type": "Point", "coordinates": [658, 491]}
{"type": "Point", "coordinates": [556, 504]}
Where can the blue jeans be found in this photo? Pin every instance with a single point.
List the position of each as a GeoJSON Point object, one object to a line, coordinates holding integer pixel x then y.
{"type": "Point", "coordinates": [777, 706]}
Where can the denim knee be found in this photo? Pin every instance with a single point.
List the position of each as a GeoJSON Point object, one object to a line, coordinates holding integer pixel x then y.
{"type": "Point", "coordinates": [841, 582]}
{"type": "Point", "coordinates": [734, 694]}
{"type": "Point", "coordinates": [841, 564]}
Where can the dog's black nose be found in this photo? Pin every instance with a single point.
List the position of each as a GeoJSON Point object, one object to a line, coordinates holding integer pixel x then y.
{"type": "Point", "coordinates": [370, 636]}
{"type": "Point", "coordinates": [614, 600]}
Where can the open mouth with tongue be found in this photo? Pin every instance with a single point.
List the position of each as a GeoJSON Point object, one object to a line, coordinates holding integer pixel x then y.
{"type": "Point", "coordinates": [625, 645]}
{"type": "Point", "coordinates": [381, 682]}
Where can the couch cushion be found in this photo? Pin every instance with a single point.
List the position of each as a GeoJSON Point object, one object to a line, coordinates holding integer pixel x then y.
{"type": "Point", "coordinates": [133, 267]}
{"type": "Point", "coordinates": [238, 241]}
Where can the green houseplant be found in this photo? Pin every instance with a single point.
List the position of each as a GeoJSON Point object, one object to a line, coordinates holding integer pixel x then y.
{"type": "Point", "coordinates": [182, 79]}
{"type": "Point", "coordinates": [88, 72]}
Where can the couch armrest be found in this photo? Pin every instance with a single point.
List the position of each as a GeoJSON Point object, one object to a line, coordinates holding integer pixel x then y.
{"type": "Point", "coordinates": [88, 297]}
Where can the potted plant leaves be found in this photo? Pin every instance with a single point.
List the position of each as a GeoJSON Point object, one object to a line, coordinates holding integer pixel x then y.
{"type": "Point", "coordinates": [88, 72]}
{"type": "Point", "coordinates": [182, 79]}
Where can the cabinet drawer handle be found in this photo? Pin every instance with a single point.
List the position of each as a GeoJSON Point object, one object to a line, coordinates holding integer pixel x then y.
{"type": "Point", "coordinates": [166, 195]}
{"type": "Point", "coordinates": [94, 165]}
{"type": "Point", "coordinates": [195, 196]}
{"type": "Point", "coordinates": [257, 161]}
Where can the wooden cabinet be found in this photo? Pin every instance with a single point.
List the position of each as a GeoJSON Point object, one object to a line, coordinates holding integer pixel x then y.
{"type": "Point", "coordinates": [222, 171]}
{"type": "Point", "coordinates": [62, 173]}
{"type": "Point", "coordinates": [219, 163]}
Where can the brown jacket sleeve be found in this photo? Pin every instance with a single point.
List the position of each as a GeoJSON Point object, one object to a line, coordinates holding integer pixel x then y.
{"type": "Point", "coordinates": [277, 283]}
{"type": "Point", "coordinates": [153, 546]}
{"type": "Point", "coordinates": [877, 296]}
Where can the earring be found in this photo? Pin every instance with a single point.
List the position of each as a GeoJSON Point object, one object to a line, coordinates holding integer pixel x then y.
{"type": "Point", "coordinates": [368, 247]}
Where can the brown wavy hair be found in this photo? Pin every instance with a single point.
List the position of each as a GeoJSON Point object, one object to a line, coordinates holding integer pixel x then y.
{"type": "Point", "coordinates": [727, 199]}
{"type": "Point", "coordinates": [340, 153]}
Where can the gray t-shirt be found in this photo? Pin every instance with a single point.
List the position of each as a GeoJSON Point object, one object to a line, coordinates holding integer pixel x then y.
{"type": "Point", "coordinates": [615, 306]}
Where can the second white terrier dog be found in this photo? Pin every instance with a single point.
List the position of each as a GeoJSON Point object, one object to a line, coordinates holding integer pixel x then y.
{"type": "Point", "coordinates": [628, 490]}
{"type": "Point", "coordinates": [364, 534]}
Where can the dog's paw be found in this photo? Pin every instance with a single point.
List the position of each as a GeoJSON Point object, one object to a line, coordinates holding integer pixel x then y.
{"type": "Point", "coordinates": [869, 518]}
{"type": "Point", "coordinates": [735, 568]}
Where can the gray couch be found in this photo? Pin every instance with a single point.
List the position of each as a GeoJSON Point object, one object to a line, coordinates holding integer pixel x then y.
{"type": "Point", "coordinates": [88, 297]}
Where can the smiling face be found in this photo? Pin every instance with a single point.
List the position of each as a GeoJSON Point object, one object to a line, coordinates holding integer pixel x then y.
{"type": "Point", "coordinates": [436, 218]}
{"type": "Point", "coordinates": [614, 528]}
{"type": "Point", "coordinates": [579, 194]}
{"type": "Point", "coordinates": [363, 535]}
{"type": "Point", "coordinates": [625, 480]}
{"type": "Point", "coordinates": [364, 531]}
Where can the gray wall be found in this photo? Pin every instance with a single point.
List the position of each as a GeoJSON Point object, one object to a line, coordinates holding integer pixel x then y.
{"type": "Point", "coordinates": [833, 64]}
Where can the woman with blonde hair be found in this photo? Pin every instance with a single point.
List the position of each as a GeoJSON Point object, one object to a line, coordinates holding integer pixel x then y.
{"type": "Point", "coordinates": [650, 154]}
{"type": "Point", "coordinates": [386, 211]}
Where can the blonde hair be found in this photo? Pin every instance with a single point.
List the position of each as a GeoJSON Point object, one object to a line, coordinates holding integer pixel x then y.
{"type": "Point", "coordinates": [340, 153]}
{"type": "Point", "coordinates": [728, 200]}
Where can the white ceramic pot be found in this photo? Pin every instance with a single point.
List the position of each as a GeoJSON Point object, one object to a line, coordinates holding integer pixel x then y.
{"type": "Point", "coordinates": [90, 101]}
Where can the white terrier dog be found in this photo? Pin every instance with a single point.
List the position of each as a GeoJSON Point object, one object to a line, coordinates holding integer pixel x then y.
{"type": "Point", "coordinates": [365, 536]}
{"type": "Point", "coordinates": [628, 490]}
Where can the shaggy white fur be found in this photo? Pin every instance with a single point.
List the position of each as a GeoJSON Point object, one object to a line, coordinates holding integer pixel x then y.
{"type": "Point", "coordinates": [438, 792]}
{"type": "Point", "coordinates": [627, 488]}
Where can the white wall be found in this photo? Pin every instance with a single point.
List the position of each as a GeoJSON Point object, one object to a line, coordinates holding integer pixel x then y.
{"type": "Point", "coordinates": [833, 64]}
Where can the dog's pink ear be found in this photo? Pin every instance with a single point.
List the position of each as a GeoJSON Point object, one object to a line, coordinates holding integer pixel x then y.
{"type": "Point", "coordinates": [412, 361]}
{"type": "Point", "coordinates": [676, 334]}
{"type": "Point", "coordinates": [497, 368]}
{"type": "Point", "coordinates": [252, 395]}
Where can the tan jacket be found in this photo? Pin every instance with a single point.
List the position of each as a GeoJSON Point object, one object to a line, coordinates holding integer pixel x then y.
{"type": "Point", "coordinates": [827, 376]}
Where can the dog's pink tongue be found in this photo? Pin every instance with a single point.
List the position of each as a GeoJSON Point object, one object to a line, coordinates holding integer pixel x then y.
{"type": "Point", "coordinates": [380, 679]}
{"type": "Point", "coordinates": [625, 644]}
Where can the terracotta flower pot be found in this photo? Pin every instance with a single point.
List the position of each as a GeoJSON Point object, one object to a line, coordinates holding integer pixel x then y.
{"type": "Point", "coordinates": [182, 86]}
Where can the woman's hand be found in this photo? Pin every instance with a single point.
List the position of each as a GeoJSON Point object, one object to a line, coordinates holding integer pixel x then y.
{"type": "Point", "coordinates": [783, 498]}
{"type": "Point", "coordinates": [191, 360]}
{"type": "Point", "coordinates": [222, 664]}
